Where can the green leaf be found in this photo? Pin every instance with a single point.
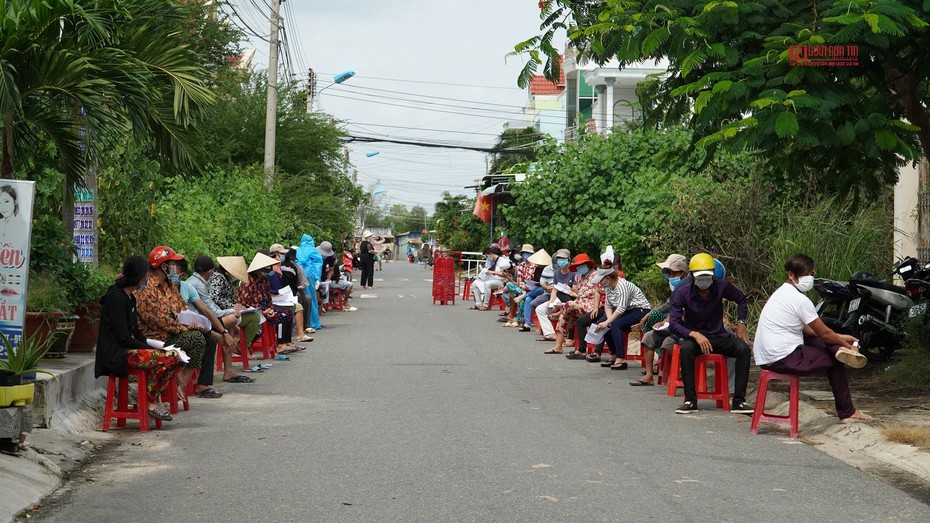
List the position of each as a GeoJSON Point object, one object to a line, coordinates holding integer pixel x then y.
{"type": "Point", "coordinates": [872, 20]}
{"type": "Point", "coordinates": [886, 139]}
{"type": "Point", "coordinates": [786, 125]}
{"type": "Point", "coordinates": [701, 102]}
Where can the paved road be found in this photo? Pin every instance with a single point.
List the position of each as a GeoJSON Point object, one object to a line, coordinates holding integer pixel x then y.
{"type": "Point", "coordinates": [405, 411]}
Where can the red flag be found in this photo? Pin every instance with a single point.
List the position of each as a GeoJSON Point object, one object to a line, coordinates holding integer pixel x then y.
{"type": "Point", "coordinates": [483, 208]}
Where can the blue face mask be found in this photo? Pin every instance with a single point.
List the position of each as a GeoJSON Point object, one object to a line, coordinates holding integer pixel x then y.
{"type": "Point", "coordinates": [175, 278]}
{"type": "Point", "coordinates": [561, 263]}
{"type": "Point", "coordinates": [673, 282]}
{"type": "Point", "coordinates": [526, 255]}
{"type": "Point", "coordinates": [583, 270]}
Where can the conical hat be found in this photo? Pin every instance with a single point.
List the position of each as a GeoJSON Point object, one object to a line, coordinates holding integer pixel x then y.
{"type": "Point", "coordinates": [541, 258]}
{"type": "Point", "coordinates": [261, 261]}
{"type": "Point", "coordinates": [235, 265]}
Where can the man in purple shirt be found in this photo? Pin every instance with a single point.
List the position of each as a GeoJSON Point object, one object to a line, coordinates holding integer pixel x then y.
{"type": "Point", "coordinates": [696, 317]}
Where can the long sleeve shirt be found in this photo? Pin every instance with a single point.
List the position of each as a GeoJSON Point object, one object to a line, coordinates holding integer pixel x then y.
{"type": "Point", "coordinates": [159, 305]}
{"type": "Point", "coordinates": [690, 312]}
{"type": "Point", "coordinates": [200, 285]}
{"type": "Point", "coordinates": [119, 332]}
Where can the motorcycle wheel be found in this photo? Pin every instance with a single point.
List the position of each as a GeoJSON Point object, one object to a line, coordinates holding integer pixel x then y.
{"type": "Point", "coordinates": [877, 346]}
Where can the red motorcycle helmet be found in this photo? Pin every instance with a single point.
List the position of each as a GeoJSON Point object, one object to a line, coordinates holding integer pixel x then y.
{"type": "Point", "coordinates": [163, 254]}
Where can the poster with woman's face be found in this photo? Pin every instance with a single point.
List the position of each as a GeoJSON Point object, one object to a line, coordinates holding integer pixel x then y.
{"type": "Point", "coordinates": [15, 228]}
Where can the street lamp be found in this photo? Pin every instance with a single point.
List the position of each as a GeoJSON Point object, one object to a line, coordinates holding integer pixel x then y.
{"type": "Point", "coordinates": [338, 79]}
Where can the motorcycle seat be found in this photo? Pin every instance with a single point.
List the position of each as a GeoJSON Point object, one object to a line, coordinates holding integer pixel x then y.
{"type": "Point", "coordinates": [880, 285]}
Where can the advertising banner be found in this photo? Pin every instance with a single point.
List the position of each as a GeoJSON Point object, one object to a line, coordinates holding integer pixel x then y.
{"type": "Point", "coordinates": [16, 199]}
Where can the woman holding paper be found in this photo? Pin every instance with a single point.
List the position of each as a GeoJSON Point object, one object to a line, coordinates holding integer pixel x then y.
{"type": "Point", "coordinates": [257, 293]}
{"type": "Point", "coordinates": [120, 344]}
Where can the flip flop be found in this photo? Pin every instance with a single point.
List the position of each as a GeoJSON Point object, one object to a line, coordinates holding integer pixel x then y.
{"type": "Point", "coordinates": [593, 358]}
{"type": "Point", "coordinates": [552, 351]}
{"type": "Point", "coordinates": [620, 366]}
{"type": "Point", "coordinates": [210, 394]}
{"type": "Point", "coordinates": [305, 339]}
{"type": "Point", "coordinates": [638, 383]}
{"type": "Point", "coordinates": [281, 357]}
{"type": "Point", "coordinates": [287, 351]}
{"type": "Point", "coordinates": [255, 368]}
{"type": "Point", "coordinates": [608, 363]}
{"type": "Point", "coordinates": [265, 366]}
{"type": "Point", "coordinates": [545, 339]}
{"type": "Point", "coordinates": [240, 379]}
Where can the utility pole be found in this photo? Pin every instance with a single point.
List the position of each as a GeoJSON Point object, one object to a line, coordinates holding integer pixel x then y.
{"type": "Point", "coordinates": [311, 88]}
{"type": "Point", "coordinates": [271, 107]}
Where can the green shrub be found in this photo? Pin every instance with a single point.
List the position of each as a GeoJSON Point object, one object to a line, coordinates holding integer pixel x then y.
{"type": "Point", "coordinates": [910, 369]}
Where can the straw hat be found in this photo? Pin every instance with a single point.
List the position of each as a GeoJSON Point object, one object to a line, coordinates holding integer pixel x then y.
{"type": "Point", "coordinates": [235, 265]}
{"type": "Point", "coordinates": [366, 234]}
{"type": "Point", "coordinates": [261, 261]}
{"type": "Point", "coordinates": [541, 258]}
{"type": "Point", "coordinates": [527, 247]}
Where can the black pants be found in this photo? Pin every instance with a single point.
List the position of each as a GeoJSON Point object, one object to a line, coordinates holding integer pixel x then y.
{"type": "Point", "coordinates": [209, 363]}
{"type": "Point", "coordinates": [731, 347]}
{"type": "Point", "coordinates": [368, 271]}
{"type": "Point", "coordinates": [581, 329]}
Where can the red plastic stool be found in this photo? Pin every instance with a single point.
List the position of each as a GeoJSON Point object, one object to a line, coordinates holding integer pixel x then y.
{"type": "Point", "coordinates": [634, 357]}
{"type": "Point", "coordinates": [242, 357]}
{"type": "Point", "coordinates": [170, 396]}
{"type": "Point", "coordinates": [118, 390]}
{"type": "Point", "coordinates": [336, 300]}
{"type": "Point", "coordinates": [759, 415]}
{"type": "Point", "coordinates": [721, 392]}
{"type": "Point", "coordinates": [672, 370]}
{"type": "Point", "coordinates": [267, 342]}
{"type": "Point", "coordinates": [466, 288]}
{"type": "Point", "coordinates": [496, 299]}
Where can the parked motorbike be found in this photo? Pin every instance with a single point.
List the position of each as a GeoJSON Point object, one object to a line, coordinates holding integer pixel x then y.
{"type": "Point", "coordinates": [875, 311]}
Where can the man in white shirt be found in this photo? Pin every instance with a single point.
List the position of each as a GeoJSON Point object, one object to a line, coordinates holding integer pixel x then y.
{"type": "Point", "coordinates": [792, 339]}
{"type": "Point", "coordinates": [490, 278]}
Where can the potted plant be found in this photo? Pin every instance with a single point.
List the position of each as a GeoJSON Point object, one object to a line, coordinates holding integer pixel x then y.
{"type": "Point", "coordinates": [46, 302]}
{"type": "Point", "coordinates": [89, 284]}
{"type": "Point", "coordinates": [17, 363]}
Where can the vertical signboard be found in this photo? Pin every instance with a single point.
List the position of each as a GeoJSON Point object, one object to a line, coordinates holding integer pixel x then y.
{"type": "Point", "coordinates": [15, 231]}
{"type": "Point", "coordinates": [85, 225]}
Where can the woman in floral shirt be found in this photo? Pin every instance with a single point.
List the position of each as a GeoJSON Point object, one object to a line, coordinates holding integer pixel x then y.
{"type": "Point", "coordinates": [584, 294]}
{"type": "Point", "coordinates": [257, 293]}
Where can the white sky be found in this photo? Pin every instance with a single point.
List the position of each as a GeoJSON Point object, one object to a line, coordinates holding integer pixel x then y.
{"type": "Point", "coordinates": [451, 41]}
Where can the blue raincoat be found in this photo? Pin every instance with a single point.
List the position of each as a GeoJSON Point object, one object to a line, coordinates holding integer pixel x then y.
{"type": "Point", "coordinates": [311, 261]}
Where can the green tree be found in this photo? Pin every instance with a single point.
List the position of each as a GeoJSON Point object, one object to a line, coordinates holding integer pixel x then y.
{"type": "Point", "coordinates": [731, 79]}
{"type": "Point", "coordinates": [457, 228]}
{"type": "Point", "coordinates": [310, 185]}
{"type": "Point", "coordinates": [72, 69]}
{"type": "Point", "coordinates": [525, 139]}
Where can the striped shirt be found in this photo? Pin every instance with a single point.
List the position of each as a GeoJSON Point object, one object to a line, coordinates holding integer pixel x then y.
{"type": "Point", "coordinates": [625, 296]}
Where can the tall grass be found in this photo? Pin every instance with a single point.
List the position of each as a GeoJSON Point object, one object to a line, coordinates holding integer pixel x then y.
{"type": "Point", "coordinates": [839, 239]}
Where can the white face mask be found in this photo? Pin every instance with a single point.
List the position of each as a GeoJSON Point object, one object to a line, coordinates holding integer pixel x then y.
{"type": "Point", "coordinates": [805, 283]}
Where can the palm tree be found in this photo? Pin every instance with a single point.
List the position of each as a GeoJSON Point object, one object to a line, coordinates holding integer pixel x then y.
{"type": "Point", "coordinates": [77, 73]}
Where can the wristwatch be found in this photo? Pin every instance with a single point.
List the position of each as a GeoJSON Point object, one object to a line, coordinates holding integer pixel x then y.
{"type": "Point", "coordinates": [741, 322]}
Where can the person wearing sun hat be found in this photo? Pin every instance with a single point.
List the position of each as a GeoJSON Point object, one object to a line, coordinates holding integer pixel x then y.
{"type": "Point", "coordinates": [257, 293]}
{"type": "Point", "coordinates": [582, 294]}
{"type": "Point", "coordinates": [552, 307]}
{"type": "Point", "coordinates": [655, 337]}
{"type": "Point", "coordinates": [367, 257]}
{"type": "Point", "coordinates": [518, 288]}
{"type": "Point", "coordinates": [221, 292]}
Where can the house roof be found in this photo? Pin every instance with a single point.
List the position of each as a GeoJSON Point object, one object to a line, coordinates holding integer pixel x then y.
{"type": "Point", "coordinates": [539, 85]}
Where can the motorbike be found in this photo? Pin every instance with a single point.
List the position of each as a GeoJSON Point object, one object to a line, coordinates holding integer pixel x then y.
{"type": "Point", "coordinates": [875, 311]}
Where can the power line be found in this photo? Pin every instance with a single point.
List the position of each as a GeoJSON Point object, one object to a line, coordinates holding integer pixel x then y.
{"type": "Point", "coordinates": [426, 108]}
{"type": "Point", "coordinates": [420, 129]}
{"type": "Point", "coordinates": [407, 80]}
{"type": "Point", "coordinates": [476, 102]}
{"type": "Point", "coordinates": [495, 150]}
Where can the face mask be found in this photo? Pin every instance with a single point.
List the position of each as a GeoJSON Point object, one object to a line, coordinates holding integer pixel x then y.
{"type": "Point", "coordinates": [145, 283]}
{"type": "Point", "coordinates": [704, 282]}
{"type": "Point", "coordinates": [175, 278]}
{"type": "Point", "coordinates": [583, 270]}
{"type": "Point", "coordinates": [526, 255]}
{"type": "Point", "coordinates": [805, 283]}
{"type": "Point", "coordinates": [561, 263]}
{"type": "Point", "coordinates": [673, 282]}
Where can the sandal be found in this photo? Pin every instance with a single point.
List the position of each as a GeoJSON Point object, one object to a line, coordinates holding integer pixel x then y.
{"type": "Point", "coordinates": [576, 356]}
{"type": "Point", "coordinates": [210, 394]}
{"type": "Point", "coordinates": [281, 357]}
{"type": "Point", "coordinates": [161, 413]}
{"type": "Point", "coordinates": [608, 363]}
{"type": "Point", "coordinates": [552, 351]}
{"type": "Point", "coordinates": [619, 366]}
{"type": "Point", "coordinates": [858, 417]}
{"type": "Point", "coordinates": [545, 339]}
{"type": "Point", "coordinates": [255, 368]}
{"type": "Point", "coordinates": [593, 357]}
{"type": "Point", "coordinates": [641, 383]}
{"type": "Point", "coordinates": [305, 339]}
{"type": "Point", "coordinates": [240, 379]}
